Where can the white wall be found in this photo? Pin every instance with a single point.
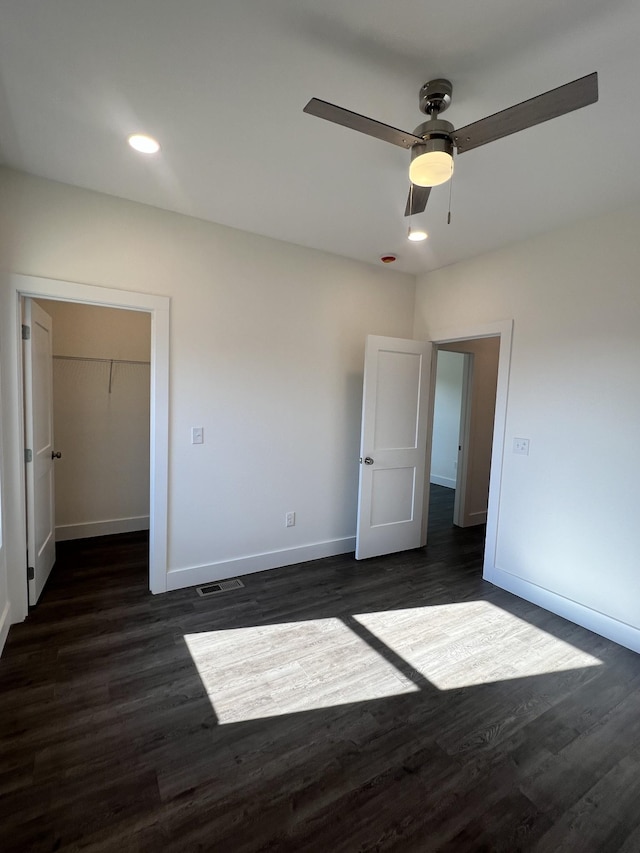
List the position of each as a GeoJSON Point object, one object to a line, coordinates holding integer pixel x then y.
{"type": "Point", "coordinates": [267, 343]}
{"type": "Point", "coordinates": [446, 419]}
{"type": "Point", "coordinates": [568, 511]}
{"type": "Point", "coordinates": [5, 604]}
{"type": "Point", "coordinates": [96, 332]}
{"type": "Point", "coordinates": [102, 479]}
{"type": "Point", "coordinates": [266, 354]}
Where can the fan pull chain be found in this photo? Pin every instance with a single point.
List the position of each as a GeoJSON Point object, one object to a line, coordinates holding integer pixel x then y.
{"type": "Point", "coordinates": [450, 189]}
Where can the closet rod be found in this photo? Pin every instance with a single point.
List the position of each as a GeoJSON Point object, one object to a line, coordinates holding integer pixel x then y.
{"type": "Point", "coordinates": [105, 360]}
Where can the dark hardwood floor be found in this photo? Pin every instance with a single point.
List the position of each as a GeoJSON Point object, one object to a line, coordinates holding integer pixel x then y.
{"type": "Point", "coordinates": [396, 704]}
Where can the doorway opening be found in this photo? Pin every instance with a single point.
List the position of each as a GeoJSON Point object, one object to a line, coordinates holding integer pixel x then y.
{"type": "Point", "coordinates": [158, 309]}
{"type": "Point", "coordinates": [475, 469]}
{"type": "Point", "coordinates": [98, 370]}
{"type": "Point", "coordinates": [396, 437]}
{"type": "Point", "coordinates": [465, 380]}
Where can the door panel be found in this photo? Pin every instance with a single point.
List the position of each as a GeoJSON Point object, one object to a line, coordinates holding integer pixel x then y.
{"type": "Point", "coordinates": [392, 495]}
{"type": "Point", "coordinates": [397, 384]}
{"type": "Point", "coordinates": [38, 386]}
{"type": "Point", "coordinates": [393, 445]}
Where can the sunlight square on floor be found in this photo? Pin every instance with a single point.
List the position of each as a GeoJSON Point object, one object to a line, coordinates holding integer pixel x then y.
{"type": "Point", "coordinates": [472, 642]}
{"type": "Point", "coordinates": [268, 670]}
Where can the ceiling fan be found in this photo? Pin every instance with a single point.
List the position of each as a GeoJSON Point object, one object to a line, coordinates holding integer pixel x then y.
{"type": "Point", "coordinates": [433, 141]}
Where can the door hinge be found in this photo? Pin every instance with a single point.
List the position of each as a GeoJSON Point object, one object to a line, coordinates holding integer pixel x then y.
{"type": "Point", "coordinates": [31, 573]}
{"type": "Point", "coordinates": [28, 455]}
{"type": "Point", "coordinates": [26, 333]}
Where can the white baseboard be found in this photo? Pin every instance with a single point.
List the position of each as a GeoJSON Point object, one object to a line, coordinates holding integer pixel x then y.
{"type": "Point", "coordinates": [599, 623]}
{"type": "Point", "coordinates": [180, 578]}
{"type": "Point", "coordinates": [437, 480]}
{"type": "Point", "coordinates": [101, 528]}
{"type": "Point", "coordinates": [5, 623]}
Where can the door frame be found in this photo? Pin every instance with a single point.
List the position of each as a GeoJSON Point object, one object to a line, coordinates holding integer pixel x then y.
{"type": "Point", "coordinates": [13, 420]}
{"type": "Point", "coordinates": [504, 330]}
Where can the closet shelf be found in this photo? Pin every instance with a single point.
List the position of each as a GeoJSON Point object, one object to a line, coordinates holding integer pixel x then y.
{"type": "Point", "coordinates": [105, 360]}
{"type": "Point", "coordinates": [109, 361]}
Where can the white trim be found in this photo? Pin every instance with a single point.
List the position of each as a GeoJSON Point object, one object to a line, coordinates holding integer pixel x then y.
{"type": "Point", "coordinates": [5, 624]}
{"type": "Point", "coordinates": [89, 529]}
{"type": "Point", "coordinates": [599, 623]}
{"type": "Point", "coordinates": [503, 329]}
{"type": "Point", "coordinates": [158, 307]}
{"type": "Point", "coordinates": [90, 294]}
{"type": "Point", "coordinates": [181, 578]}
{"type": "Point", "coordinates": [447, 482]}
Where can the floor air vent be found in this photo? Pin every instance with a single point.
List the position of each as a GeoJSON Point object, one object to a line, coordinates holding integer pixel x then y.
{"type": "Point", "coordinates": [219, 586]}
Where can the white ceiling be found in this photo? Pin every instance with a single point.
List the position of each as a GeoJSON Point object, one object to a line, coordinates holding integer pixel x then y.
{"type": "Point", "coordinates": [222, 84]}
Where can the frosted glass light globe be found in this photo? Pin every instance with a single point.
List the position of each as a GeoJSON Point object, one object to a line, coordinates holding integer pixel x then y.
{"type": "Point", "coordinates": [431, 168]}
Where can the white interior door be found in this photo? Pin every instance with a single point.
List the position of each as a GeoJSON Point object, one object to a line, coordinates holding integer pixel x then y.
{"type": "Point", "coordinates": [393, 445]}
{"type": "Point", "coordinates": [38, 396]}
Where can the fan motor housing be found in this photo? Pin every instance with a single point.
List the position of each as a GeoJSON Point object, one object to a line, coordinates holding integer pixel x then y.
{"type": "Point", "coordinates": [435, 128]}
{"type": "Point", "coordinates": [435, 96]}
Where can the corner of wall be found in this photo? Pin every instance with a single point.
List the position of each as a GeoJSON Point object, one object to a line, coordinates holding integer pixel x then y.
{"type": "Point", "coordinates": [606, 626]}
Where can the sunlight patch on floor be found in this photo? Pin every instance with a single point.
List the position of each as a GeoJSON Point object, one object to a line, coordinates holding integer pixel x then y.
{"type": "Point", "coordinates": [265, 671]}
{"type": "Point", "coordinates": [471, 643]}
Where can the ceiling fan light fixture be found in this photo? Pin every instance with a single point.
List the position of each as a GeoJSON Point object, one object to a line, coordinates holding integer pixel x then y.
{"type": "Point", "coordinates": [432, 142]}
{"type": "Point", "coordinates": [431, 163]}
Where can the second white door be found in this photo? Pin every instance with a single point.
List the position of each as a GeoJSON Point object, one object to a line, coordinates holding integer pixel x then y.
{"type": "Point", "coordinates": [393, 446]}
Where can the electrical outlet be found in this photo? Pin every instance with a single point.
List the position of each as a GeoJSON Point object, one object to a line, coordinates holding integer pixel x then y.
{"type": "Point", "coordinates": [197, 435]}
{"type": "Point", "coordinates": [290, 519]}
{"type": "Point", "coordinates": [521, 446]}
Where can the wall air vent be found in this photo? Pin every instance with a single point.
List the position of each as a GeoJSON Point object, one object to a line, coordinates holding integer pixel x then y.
{"type": "Point", "coordinates": [219, 586]}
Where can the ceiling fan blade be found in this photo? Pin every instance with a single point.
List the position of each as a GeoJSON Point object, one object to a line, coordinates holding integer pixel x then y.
{"type": "Point", "coordinates": [557, 102]}
{"type": "Point", "coordinates": [355, 121]}
{"type": "Point", "coordinates": [417, 199]}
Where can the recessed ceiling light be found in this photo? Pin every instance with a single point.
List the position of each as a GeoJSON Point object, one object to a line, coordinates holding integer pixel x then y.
{"type": "Point", "coordinates": [143, 143]}
{"type": "Point", "coordinates": [416, 235]}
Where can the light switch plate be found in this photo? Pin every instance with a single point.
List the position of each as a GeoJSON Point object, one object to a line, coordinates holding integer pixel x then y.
{"type": "Point", "coordinates": [197, 435]}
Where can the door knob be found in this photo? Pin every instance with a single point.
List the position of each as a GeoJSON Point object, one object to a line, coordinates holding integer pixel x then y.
{"type": "Point", "coordinates": [55, 454]}
{"type": "Point", "coordinates": [368, 460]}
